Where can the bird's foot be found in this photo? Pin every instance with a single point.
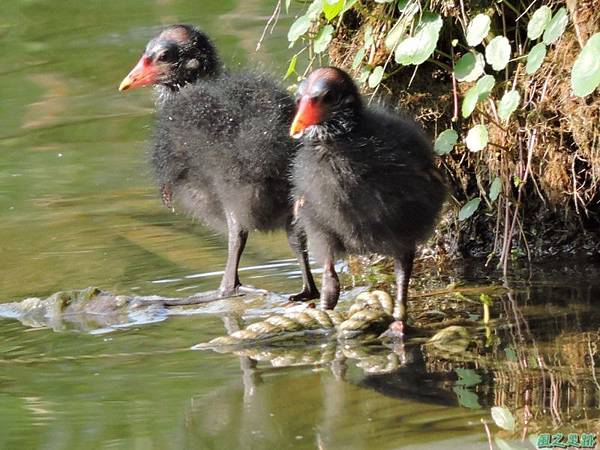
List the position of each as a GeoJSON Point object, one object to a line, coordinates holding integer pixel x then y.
{"type": "Point", "coordinates": [305, 295]}
{"type": "Point", "coordinates": [399, 329]}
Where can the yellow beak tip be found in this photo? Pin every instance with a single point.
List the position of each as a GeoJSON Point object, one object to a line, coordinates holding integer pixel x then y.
{"type": "Point", "coordinates": [125, 84]}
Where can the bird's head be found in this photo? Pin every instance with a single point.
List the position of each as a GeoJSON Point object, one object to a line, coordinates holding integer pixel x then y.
{"type": "Point", "coordinates": [328, 103]}
{"type": "Point", "coordinates": [179, 55]}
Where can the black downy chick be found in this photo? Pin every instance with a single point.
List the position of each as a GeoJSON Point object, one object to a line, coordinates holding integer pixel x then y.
{"type": "Point", "coordinates": [364, 181]}
{"type": "Point", "coordinates": [221, 149]}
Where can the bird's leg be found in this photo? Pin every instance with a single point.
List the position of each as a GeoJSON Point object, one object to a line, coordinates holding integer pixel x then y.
{"type": "Point", "coordinates": [403, 268]}
{"type": "Point", "coordinates": [297, 241]}
{"type": "Point", "coordinates": [330, 285]}
{"type": "Point", "coordinates": [166, 195]}
{"type": "Point", "coordinates": [230, 283]}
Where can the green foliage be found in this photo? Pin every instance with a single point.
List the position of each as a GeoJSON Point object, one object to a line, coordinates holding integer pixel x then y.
{"type": "Point", "coordinates": [445, 142]}
{"type": "Point", "coordinates": [478, 29]}
{"type": "Point", "coordinates": [418, 48]}
{"type": "Point", "coordinates": [538, 22]}
{"type": "Point", "coordinates": [535, 58]}
{"type": "Point", "coordinates": [477, 138]}
{"type": "Point", "coordinates": [469, 67]}
{"type": "Point", "coordinates": [556, 26]}
{"type": "Point", "coordinates": [495, 189]}
{"type": "Point", "coordinates": [508, 104]}
{"type": "Point", "coordinates": [503, 418]}
{"type": "Point", "coordinates": [469, 209]}
{"type": "Point", "coordinates": [497, 53]}
{"type": "Point", "coordinates": [585, 76]}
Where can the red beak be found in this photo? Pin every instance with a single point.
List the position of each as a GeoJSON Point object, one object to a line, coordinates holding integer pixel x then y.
{"type": "Point", "coordinates": [144, 73]}
{"type": "Point", "coordinates": [308, 114]}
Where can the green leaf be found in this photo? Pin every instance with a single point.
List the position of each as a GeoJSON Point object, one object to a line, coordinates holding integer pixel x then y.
{"type": "Point", "coordinates": [503, 418]}
{"type": "Point", "coordinates": [535, 58]}
{"type": "Point", "coordinates": [315, 9]}
{"type": "Point", "coordinates": [445, 141]}
{"type": "Point", "coordinates": [469, 67]}
{"type": "Point", "coordinates": [364, 75]}
{"type": "Point", "coordinates": [416, 49]}
{"type": "Point", "coordinates": [469, 209]}
{"type": "Point", "coordinates": [538, 22]}
{"type": "Point", "coordinates": [397, 32]}
{"type": "Point", "coordinates": [495, 189]}
{"type": "Point", "coordinates": [478, 29]}
{"type": "Point", "coordinates": [476, 94]}
{"type": "Point", "coordinates": [485, 86]}
{"type": "Point", "coordinates": [497, 53]}
{"type": "Point", "coordinates": [369, 40]}
{"type": "Point", "coordinates": [384, 1]}
{"type": "Point", "coordinates": [509, 103]}
{"type": "Point", "coordinates": [585, 75]}
{"type": "Point", "coordinates": [556, 27]}
{"type": "Point", "coordinates": [469, 102]}
{"type": "Point", "coordinates": [467, 377]}
{"type": "Point", "coordinates": [292, 67]}
{"type": "Point", "coordinates": [466, 398]}
{"type": "Point", "coordinates": [298, 28]}
{"type": "Point", "coordinates": [485, 299]}
{"type": "Point", "coordinates": [477, 138]}
{"type": "Point", "coordinates": [360, 55]}
{"type": "Point", "coordinates": [331, 8]}
{"type": "Point", "coordinates": [323, 39]}
{"type": "Point", "coordinates": [375, 77]}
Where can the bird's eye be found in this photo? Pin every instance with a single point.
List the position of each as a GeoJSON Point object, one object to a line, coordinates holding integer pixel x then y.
{"type": "Point", "coordinates": [328, 97]}
{"type": "Point", "coordinates": [162, 57]}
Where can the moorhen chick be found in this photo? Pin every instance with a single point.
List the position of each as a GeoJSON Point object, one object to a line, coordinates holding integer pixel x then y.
{"type": "Point", "coordinates": [364, 180]}
{"type": "Point", "coordinates": [221, 149]}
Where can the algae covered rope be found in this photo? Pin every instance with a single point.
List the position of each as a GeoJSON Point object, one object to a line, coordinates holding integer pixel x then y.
{"type": "Point", "coordinates": [371, 312]}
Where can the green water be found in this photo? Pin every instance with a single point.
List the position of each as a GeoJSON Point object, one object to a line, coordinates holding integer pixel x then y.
{"type": "Point", "coordinates": [78, 208]}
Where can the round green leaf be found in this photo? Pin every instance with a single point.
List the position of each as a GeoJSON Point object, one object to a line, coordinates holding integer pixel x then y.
{"type": "Point", "coordinates": [503, 418]}
{"type": "Point", "coordinates": [360, 55]}
{"type": "Point", "coordinates": [556, 27]}
{"type": "Point", "coordinates": [445, 141]}
{"type": "Point", "coordinates": [375, 77]}
{"type": "Point", "coordinates": [331, 8]}
{"type": "Point", "coordinates": [469, 102]}
{"type": "Point", "coordinates": [315, 9]}
{"type": "Point", "coordinates": [497, 53]}
{"type": "Point", "coordinates": [298, 28]}
{"type": "Point", "coordinates": [478, 29]}
{"type": "Point", "coordinates": [416, 49]}
{"type": "Point", "coordinates": [323, 39]}
{"type": "Point", "coordinates": [585, 76]}
{"type": "Point", "coordinates": [495, 189]}
{"type": "Point", "coordinates": [397, 32]}
{"type": "Point", "coordinates": [477, 138]}
{"type": "Point", "coordinates": [469, 208]}
{"type": "Point", "coordinates": [538, 22]}
{"type": "Point", "coordinates": [364, 75]}
{"type": "Point", "coordinates": [535, 58]}
{"type": "Point", "coordinates": [484, 87]}
{"type": "Point", "coordinates": [509, 103]}
{"type": "Point", "coordinates": [477, 94]}
{"type": "Point", "coordinates": [469, 67]}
